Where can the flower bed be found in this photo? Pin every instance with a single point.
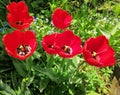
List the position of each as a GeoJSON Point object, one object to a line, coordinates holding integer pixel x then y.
{"type": "Point", "coordinates": [70, 53]}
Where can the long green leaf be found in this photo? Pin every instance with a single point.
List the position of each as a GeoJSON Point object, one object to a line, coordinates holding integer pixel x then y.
{"type": "Point", "coordinates": [49, 72]}
{"type": "Point", "coordinates": [20, 67]}
{"type": "Point", "coordinates": [5, 89]}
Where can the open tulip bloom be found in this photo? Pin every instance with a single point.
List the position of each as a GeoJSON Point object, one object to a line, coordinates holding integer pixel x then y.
{"type": "Point", "coordinates": [19, 44]}
{"type": "Point", "coordinates": [68, 44]}
{"type": "Point", "coordinates": [61, 19]}
{"type": "Point", "coordinates": [97, 52]}
{"type": "Point", "coordinates": [65, 44]}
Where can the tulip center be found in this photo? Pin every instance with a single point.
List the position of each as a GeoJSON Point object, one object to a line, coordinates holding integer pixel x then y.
{"type": "Point", "coordinates": [19, 23]}
{"type": "Point", "coordinates": [94, 54]}
{"type": "Point", "coordinates": [23, 50]}
{"type": "Point", "coordinates": [50, 46]}
{"type": "Point", "coordinates": [67, 49]}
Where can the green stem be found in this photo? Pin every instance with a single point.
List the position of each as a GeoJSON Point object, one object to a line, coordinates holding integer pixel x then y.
{"type": "Point", "coordinates": [81, 65]}
{"type": "Point", "coordinates": [50, 61]}
{"type": "Point", "coordinates": [62, 65]}
{"type": "Point", "coordinates": [29, 64]}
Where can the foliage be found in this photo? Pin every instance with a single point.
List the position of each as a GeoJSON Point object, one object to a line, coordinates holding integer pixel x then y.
{"type": "Point", "coordinates": [44, 74]}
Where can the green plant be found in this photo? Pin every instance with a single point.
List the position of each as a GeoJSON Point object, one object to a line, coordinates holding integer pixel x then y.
{"type": "Point", "coordinates": [44, 74]}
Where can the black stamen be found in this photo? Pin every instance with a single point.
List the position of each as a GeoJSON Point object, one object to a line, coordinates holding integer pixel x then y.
{"type": "Point", "coordinates": [23, 50]}
{"type": "Point", "coordinates": [19, 23]}
{"type": "Point", "coordinates": [67, 49]}
{"type": "Point", "coordinates": [50, 46]}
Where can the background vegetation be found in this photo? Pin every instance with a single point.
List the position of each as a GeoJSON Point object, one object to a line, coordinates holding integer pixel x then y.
{"type": "Point", "coordinates": [90, 19]}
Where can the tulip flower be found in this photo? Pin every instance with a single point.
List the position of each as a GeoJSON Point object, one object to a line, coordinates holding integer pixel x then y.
{"type": "Point", "coordinates": [19, 44]}
{"type": "Point", "coordinates": [98, 52]}
{"type": "Point", "coordinates": [61, 19]}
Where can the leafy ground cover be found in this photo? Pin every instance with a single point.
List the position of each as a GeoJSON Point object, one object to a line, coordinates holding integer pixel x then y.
{"type": "Point", "coordinates": [46, 74]}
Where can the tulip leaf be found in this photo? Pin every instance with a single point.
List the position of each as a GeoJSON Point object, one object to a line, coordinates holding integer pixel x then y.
{"type": "Point", "coordinates": [43, 84]}
{"type": "Point", "coordinates": [25, 84]}
{"type": "Point", "coordinates": [105, 33]}
{"type": "Point", "coordinates": [5, 89]}
{"type": "Point", "coordinates": [48, 72]}
{"type": "Point", "coordinates": [114, 30]}
{"type": "Point", "coordinates": [20, 67]}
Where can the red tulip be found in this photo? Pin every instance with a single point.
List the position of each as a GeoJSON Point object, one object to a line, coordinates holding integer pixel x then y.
{"type": "Point", "coordinates": [48, 43]}
{"type": "Point", "coordinates": [19, 44]}
{"type": "Point", "coordinates": [97, 52]}
{"type": "Point", "coordinates": [20, 21]}
{"type": "Point", "coordinates": [15, 7]}
{"type": "Point", "coordinates": [67, 44]}
{"type": "Point", "coordinates": [61, 19]}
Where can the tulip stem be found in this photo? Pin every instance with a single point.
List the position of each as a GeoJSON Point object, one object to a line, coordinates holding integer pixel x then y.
{"type": "Point", "coordinates": [81, 66]}
{"type": "Point", "coordinates": [50, 61]}
{"type": "Point", "coordinates": [62, 65]}
{"type": "Point", "coordinates": [28, 63]}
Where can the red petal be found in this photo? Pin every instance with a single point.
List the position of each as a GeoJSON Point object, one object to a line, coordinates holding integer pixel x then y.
{"type": "Point", "coordinates": [14, 7]}
{"type": "Point", "coordinates": [107, 58]}
{"type": "Point", "coordinates": [93, 44]}
{"type": "Point", "coordinates": [64, 38]}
